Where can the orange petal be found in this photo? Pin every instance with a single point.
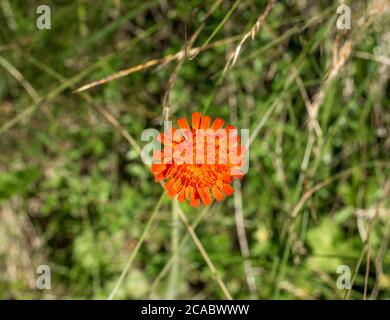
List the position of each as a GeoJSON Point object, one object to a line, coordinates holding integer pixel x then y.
{"type": "Point", "coordinates": [178, 136]}
{"type": "Point", "coordinates": [171, 194]}
{"type": "Point", "coordinates": [162, 157]}
{"type": "Point", "coordinates": [205, 123]}
{"type": "Point", "coordinates": [196, 120]}
{"type": "Point", "coordinates": [161, 137]}
{"type": "Point", "coordinates": [227, 189]}
{"type": "Point", "coordinates": [183, 124]}
{"type": "Point", "coordinates": [159, 177]}
{"type": "Point", "coordinates": [230, 127]}
{"type": "Point", "coordinates": [157, 167]}
{"type": "Point", "coordinates": [183, 195]}
{"type": "Point", "coordinates": [176, 187]}
{"type": "Point", "coordinates": [169, 184]}
{"type": "Point", "coordinates": [226, 177]}
{"type": "Point", "coordinates": [205, 196]}
{"type": "Point", "coordinates": [192, 193]}
{"type": "Point", "coordinates": [217, 193]}
{"type": "Point", "coordinates": [217, 124]}
{"type": "Point", "coordinates": [195, 203]}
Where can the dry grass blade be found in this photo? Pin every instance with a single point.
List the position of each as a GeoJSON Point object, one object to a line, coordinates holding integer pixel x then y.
{"type": "Point", "coordinates": [154, 62]}
{"type": "Point", "coordinates": [377, 58]}
{"type": "Point", "coordinates": [124, 73]}
{"type": "Point", "coordinates": [252, 32]}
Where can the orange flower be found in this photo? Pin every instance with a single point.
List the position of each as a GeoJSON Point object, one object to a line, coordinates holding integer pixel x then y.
{"type": "Point", "coordinates": [199, 162]}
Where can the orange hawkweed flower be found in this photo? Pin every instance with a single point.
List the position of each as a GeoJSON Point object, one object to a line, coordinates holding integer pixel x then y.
{"type": "Point", "coordinates": [199, 162]}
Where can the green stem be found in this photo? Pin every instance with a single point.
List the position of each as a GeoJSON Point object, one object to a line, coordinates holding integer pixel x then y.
{"type": "Point", "coordinates": [138, 246]}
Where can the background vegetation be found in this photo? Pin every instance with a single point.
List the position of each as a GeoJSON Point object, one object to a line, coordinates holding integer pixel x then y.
{"type": "Point", "coordinates": [74, 194]}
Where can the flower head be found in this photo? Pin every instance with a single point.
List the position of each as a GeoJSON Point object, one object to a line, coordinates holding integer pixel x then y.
{"type": "Point", "coordinates": [199, 162]}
